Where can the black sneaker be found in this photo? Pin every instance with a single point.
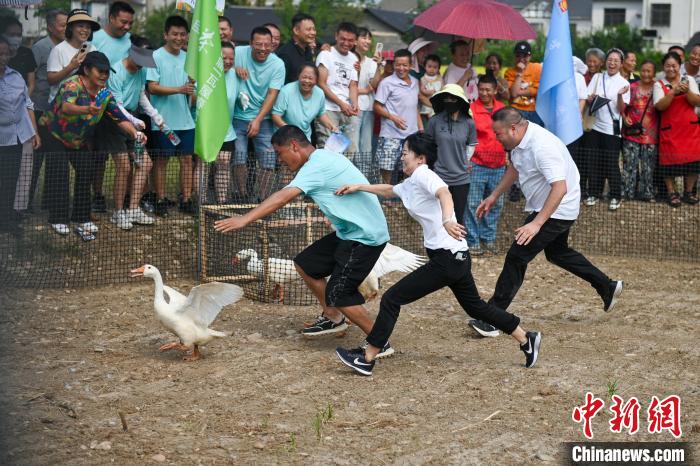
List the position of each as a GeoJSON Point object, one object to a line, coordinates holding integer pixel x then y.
{"type": "Point", "coordinates": [531, 348]}
{"type": "Point", "coordinates": [386, 351]}
{"type": "Point", "coordinates": [161, 208]}
{"type": "Point", "coordinates": [610, 298]}
{"type": "Point", "coordinates": [484, 329]}
{"type": "Point", "coordinates": [99, 204]}
{"type": "Point", "coordinates": [324, 326]}
{"type": "Point", "coordinates": [355, 359]}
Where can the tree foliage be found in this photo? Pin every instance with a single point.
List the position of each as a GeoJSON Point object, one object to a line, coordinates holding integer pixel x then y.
{"type": "Point", "coordinates": [151, 27]}
{"type": "Point", "coordinates": [47, 5]}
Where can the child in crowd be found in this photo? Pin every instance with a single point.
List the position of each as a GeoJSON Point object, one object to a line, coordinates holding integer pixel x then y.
{"type": "Point", "coordinates": [430, 83]}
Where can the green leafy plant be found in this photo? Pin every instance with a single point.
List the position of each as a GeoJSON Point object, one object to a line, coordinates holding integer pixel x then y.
{"type": "Point", "coordinates": [613, 388]}
{"type": "Point", "coordinates": [321, 419]}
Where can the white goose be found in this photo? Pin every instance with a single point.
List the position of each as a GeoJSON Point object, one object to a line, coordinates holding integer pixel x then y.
{"type": "Point", "coordinates": [282, 271]}
{"type": "Point", "coordinates": [392, 259]}
{"type": "Point", "coordinates": [189, 317]}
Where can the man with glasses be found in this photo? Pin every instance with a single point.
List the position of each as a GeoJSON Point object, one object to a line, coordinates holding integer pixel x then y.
{"type": "Point", "coordinates": [260, 83]}
{"type": "Point", "coordinates": [550, 182]}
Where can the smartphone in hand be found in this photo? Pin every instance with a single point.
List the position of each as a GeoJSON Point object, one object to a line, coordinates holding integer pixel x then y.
{"type": "Point", "coordinates": [379, 48]}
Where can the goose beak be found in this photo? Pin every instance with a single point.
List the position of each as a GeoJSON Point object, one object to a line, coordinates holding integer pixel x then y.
{"type": "Point", "coordinates": [138, 272]}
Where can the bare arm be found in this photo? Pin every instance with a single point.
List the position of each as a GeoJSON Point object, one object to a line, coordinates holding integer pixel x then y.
{"type": "Point", "coordinates": [31, 82]}
{"type": "Point", "coordinates": [268, 103]}
{"type": "Point", "coordinates": [323, 84]}
{"type": "Point", "coordinates": [328, 123]}
{"type": "Point", "coordinates": [268, 206]}
{"type": "Point", "coordinates": [353, 94]}
{"type": "Point", "coordinates": [156, 89]}
{"type": "Point", "coordinates": [277, 120]}
{"type": "Point", "coordinates": [449, 221]}
{"type": "Point", "coordinates": [525, 233]}
{"type": "Point", "coordinates": [384, 190]}
{"type": "Point", "coordinates": [509, 177]}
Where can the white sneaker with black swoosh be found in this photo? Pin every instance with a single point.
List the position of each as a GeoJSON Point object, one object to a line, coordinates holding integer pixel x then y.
{"type": "Point", "coordinates": [355, 359]}
{"type": "Point", "coordinates": [531, 348]}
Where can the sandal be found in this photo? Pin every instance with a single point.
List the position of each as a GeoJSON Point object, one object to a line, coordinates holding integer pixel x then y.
{"type": "Point", "coordinates": [690, 198]}
{"type": "Point", "coordinates": [674, 200]}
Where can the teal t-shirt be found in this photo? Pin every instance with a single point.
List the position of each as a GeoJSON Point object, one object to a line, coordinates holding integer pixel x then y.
{"type": "Point", "coordinates": [357, 216]}
{"type": "Point", "coordinates": [170, 71]}
{"type": "Point", "coordinates": [232, 90]}
{"type": "Point", "coordinates": [126, 87]}
{"type": "Point", "coordinates": [115, 49]}
{"type": "Point", "coordinates": [297, 110]}
{"type": "Point", "coordinates": [261, 77]}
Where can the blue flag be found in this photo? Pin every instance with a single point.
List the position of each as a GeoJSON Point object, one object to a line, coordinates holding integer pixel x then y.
{"type": "Point", "coordinates": [557, 99]}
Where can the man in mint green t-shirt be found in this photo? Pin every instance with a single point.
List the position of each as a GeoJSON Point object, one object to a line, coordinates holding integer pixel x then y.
{"type": "Point", "coordinates": [171, 93]}
{"type": "Point", "coordinates": [346, 255]}
{"type": "Point", "coordinates": [262, 77]}
{"type": "Point", "coordinates": [114, 40]}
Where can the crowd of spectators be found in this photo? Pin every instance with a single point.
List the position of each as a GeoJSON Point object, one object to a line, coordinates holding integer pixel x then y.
{"type": "Point", "coordinates": [88, 91]}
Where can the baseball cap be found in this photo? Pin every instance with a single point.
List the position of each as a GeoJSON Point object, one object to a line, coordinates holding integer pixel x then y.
{"type": "Point", "coordinates": [142, 57]}
{"type": "Point", "coordinates": [522, 48]}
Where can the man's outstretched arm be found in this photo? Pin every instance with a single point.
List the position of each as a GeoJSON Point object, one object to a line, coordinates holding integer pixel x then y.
{"type": "Point", "coordinates": [273, 203]}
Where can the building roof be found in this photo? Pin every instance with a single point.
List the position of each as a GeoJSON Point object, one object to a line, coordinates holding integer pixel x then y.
{"type": "Point", "coordinates": [403, 6]}
{"type": "Point", "coordinates": [245, 18]}
{"type": "Point", "coordinates": [397, 20]}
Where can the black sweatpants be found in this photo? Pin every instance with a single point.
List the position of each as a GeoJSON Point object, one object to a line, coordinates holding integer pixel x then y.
{"type": "Point", "coordinates": [604, 157]}
{"type": "Point", "coordinates": [442, 270]}
{"type": "Point", "coordinates": [553, 238]}
{"type": "Point", "coordinates": [10, 162]}
{"type": "Point", "coordinates": [459, 199]}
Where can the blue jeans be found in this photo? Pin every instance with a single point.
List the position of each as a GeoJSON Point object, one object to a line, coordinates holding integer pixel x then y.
{"type": "Point", "coordinates": [263, 144]}
{"type": "Point", "coordinates": [364, 156]}
{"type": "Point", "coordinates": [484, 180]}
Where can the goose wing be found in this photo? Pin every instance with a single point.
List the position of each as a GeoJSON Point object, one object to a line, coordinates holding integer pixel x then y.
{"type": "Point", "coordinates": [206, 301]}
{"type": "Point", "coordinates": [396, 259]}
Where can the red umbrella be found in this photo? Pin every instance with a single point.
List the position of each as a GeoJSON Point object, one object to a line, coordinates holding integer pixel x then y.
{"type": "Point", "coordinates": [478, 19]}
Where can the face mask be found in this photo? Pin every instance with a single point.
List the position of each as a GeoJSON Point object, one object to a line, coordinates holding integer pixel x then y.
{"type": "Point", "coordinates": [451, 107]}
{"type": "Point", "coordinates": [14, 42]}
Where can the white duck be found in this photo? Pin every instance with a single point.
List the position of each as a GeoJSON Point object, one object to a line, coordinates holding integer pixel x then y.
{"type": "Point", "coordinates": [282, 271]}
{"type": "Point", "coordinates": [189, 317]}
{"type": "Point", "coordinates": [392, 259]}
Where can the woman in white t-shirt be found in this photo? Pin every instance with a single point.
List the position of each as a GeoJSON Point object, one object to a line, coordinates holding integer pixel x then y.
{"type": "Point", "coordinates": [603, 142]}
{"type": "Point", "coordinates": [67, 56]}
{"type": "Point", "coordinates": [428, 201]}
{"type": "Point", "coordinates": [369, 76]}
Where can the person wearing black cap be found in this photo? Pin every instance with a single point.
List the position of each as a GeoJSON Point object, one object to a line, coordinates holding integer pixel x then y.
{"type": "Point", "coordinates": [128, 86]}
{"type": "Point", "coordinates": [67, 56]}
{"type": "Point", "coordinates": [524, 80]}
{"type": "Point", "coordinates": [79, 106]}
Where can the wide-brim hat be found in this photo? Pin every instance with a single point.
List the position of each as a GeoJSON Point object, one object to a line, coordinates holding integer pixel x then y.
{"type": "Point", "coordinates": [82, 15]}
{"type": "Point", "coordinates": [453, 90]}
{"type": "Point", "coordinates": [419, 43]}
{"type": "Point", "coordinates": [142, 57]}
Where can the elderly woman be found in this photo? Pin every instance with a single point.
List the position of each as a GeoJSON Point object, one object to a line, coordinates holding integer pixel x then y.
{"type": "Point", "coordinates": [67, 56]}
{"type": "Point", "coordinates": [594, 61]}
{"type": "Point", "coordinates": [454, 131]}
{"type": "Point", "coordinates": [17, 126]}
{"type": "Point", "coordinates": [603, 142]}
{"type": "Point", "coordinates": [676, 97]}
{"type": "Point", "coordinates": [460, 71]}
{"type": "Point", "coordinates": [81, 102]}
{"type": "Point", "coordinates": [300, 102]}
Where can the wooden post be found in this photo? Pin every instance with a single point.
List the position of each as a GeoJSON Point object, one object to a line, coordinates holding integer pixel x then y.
{"type": "Point", "coordinates": [202, 244]}
{"type": "Point", "coordinates": [265, 252]}
{"type": "Point", "coordinates": [309, 225]}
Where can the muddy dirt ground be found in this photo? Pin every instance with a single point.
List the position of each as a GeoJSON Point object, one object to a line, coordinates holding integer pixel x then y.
{"type": "Point", "coordinates": [73, 360]}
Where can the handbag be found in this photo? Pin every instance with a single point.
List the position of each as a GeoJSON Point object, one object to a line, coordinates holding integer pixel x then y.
{"type": "Point", "coordinates": [588, 118]}
{"type": "Point", "coordinates": [636, 129]}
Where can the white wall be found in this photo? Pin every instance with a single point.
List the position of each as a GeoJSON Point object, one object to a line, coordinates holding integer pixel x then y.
{"type": "Point", "coordinates": [685, 21]}
{"type": "Point", "coordinates": [633, 15]}
{"type": "Point", "coordinates": [33, 26]}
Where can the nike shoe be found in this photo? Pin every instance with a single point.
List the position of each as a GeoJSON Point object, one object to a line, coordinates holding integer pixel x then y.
{"type": "Point", "coordinates": [324, 326]}
{"type": "Point", "coordinates": [355, 359]}
{"type": "Point", "coordinates": [484, 329]}
{"type": "Point", "coordinates": [386, 351]}
{"type": "Point", "coordinates": [531, 348]}
{"type": "Point", "coordinates": [614, 291]}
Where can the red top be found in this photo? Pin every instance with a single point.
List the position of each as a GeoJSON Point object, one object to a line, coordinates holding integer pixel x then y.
{"type": "Point", "coordinates": [635, 109]}
{"type": "Point", "coordinates": [489, 152]}
{"type": "Point", "coordinates": [679, 132]}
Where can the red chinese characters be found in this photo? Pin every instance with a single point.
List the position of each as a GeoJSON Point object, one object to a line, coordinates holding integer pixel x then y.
{"type": "Point", "coordinates": [625, 416]}
{"type": "Point", "coordinates": [587, 412]}
{"type": "Point", "coordinates": [665, 415]}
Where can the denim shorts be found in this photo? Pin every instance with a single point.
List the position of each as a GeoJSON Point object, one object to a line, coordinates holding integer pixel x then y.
{"type": "Point", "coordinates": [389, 152]}
{"type": "Point", "coordinates": [262, 143]}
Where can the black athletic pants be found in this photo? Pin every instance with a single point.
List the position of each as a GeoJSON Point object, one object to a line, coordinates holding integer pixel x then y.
{"type": "Point", "coordinates": [443, 269]}
{"type": "Point", "coordinates": [459, 199]}
{"type": "Point", "coordinates": [553, 238]}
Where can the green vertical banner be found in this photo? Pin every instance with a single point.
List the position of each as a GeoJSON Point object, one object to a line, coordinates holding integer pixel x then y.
{"type": "Point", "coordinates": [205, 65]}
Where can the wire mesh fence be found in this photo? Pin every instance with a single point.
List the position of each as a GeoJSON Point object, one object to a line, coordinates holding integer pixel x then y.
{"type": "Point", "coordinates": [72, 219]}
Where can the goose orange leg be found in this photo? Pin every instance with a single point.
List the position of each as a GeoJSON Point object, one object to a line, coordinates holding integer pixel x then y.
{"type": "Point", "coordinates": [194, 356]}
{"type": "Point", "coordinates": [176, 345]}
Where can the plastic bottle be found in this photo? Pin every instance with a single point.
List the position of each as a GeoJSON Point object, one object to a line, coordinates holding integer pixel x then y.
{"type": "Point", "coordinates": [172, 136]}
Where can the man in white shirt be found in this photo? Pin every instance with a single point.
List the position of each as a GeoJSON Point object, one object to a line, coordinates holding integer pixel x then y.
{"type": "Point", "coordinates": [550, 183]}
{"type": "Point", "coordinates": [338, 80]}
